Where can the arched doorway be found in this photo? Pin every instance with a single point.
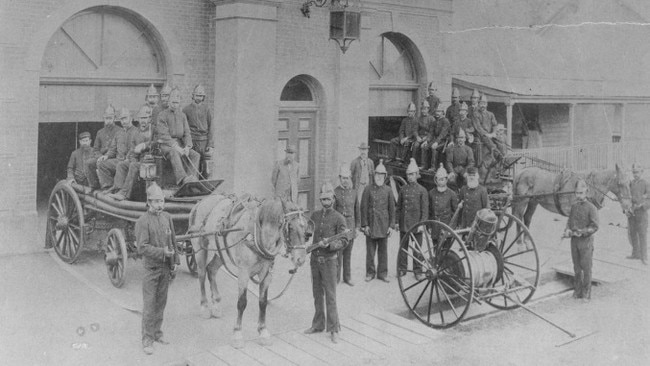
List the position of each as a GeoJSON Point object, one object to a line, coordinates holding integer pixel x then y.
{"type": "Point", "coordinates": [102, 55]}
{"type": "Point", "coordinates": [297, 121]}
{"type": "Point", "coordinates": [396, 74]}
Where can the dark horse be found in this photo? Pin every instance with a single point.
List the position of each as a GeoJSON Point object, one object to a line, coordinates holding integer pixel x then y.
{"type": "Point", "coordinates": [252, 234]}
{"type": "Point", "coordinates": [554, 191]}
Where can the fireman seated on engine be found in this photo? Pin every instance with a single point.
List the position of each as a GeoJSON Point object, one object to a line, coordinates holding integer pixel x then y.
{"type": "Point", "coordinates": [172, 133]}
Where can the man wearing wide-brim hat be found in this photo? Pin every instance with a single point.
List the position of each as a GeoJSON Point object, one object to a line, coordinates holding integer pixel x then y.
{"type": "Point", "coordinates": [637, 217]}
{"type": "Point", "coordinates": [286, 175]}
{"type": "Point", "coordinates": [362, 170]}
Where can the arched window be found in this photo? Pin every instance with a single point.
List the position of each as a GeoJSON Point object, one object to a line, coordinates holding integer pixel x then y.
{"type": "Point", "coordinates": [296, 90]}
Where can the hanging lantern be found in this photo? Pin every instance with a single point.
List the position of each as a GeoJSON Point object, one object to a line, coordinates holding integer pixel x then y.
{"type": "Point", "coordinates": [345, 20]}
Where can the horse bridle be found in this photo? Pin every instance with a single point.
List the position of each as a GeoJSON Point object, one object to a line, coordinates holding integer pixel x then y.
{"type": "Point", "coordinates": [284, 225]}
{"type": "Point", "coordinates": [604, 194]}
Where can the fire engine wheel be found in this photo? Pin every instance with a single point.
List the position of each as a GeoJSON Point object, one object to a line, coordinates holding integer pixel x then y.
{"type": "Point", "coordinates": [520, 262]}
{"type": "Point", "coordinates": [440, 293]}
{"type": "Point", "coordinates": [115, 257]}
{"type": "Point", "coordinates": [65, 223]}
{"type": "Point", "coordinates": [190, 258]}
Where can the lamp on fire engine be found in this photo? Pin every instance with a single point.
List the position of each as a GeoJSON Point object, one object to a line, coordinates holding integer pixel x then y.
{"type": "Point", "coordinates": [345, 20]}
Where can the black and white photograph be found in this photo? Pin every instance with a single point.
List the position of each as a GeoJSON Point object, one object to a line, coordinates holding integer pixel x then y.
{"type": "Point", "coordinates": [324, 182]}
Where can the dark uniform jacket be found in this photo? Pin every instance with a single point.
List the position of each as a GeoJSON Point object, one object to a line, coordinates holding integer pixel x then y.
{"type": "Point", "coordinates": [154, 232]}
{"type": "Point", "coordinates": [104, 139]}
{"type": "Point", "coordinates": [584, 217]}
{"type": "Point", "coordinates": [356, 169]}
{"type": "Point", "coordinates": [76, 163]}
{"type": "Point", "coordinates": [347, 204]}
{"type": "Point", "coordinates": [433, 101]}
{"type": "Point", "coordinates": [439, 131]}
{"type": "Point", "coordinates": [640, 192]}
{"type": "Point", "coordinates": [408, 128]}
{"type": "Point", "coordinates": [425, 124]}
{"type": "Point", "coordinates": [412, 206]}
{"type": "Point", "coordinates": [473, 199]}
{"type": "Point", "coordinates": [120, 145]}
{"type": "Point", "coordinates": [172, 128]}
{"type": "Point", "coordinates": [136, 139]}
{"type": "Point", "coordinates": [199, 117]}
{"type": "Point", "coordinates": [464, 124]}
{"type": "Point", "coordinates": [484, 122]}
{"type": "Point", "coordinates": [442, 205]}
{"type": "Point", "coordinates": [459, 158]}
{"type": "Point", "coordinates": [377, 210]}
{"type": "Point", "coordinates": [453, 113]}
{"type": "Point", "coordinates": [327, 223]}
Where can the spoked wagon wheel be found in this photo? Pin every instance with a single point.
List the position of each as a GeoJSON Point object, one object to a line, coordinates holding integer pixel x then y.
{"type": "Point", "coordinates": [115, 257]}
{"type": "Point", "coordinates": [518, 255]}
{"type": "Point", "coordinates": [190, 258]}
{"type": "Point", "coordinates": [65, 224]}
{"type": "Point", "coordinates": [444, 291]}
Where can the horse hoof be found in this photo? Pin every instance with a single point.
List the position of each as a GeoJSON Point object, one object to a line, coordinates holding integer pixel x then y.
{"type": "Point", "coordinates": [205, 312]}
{"type": "Point", "coordinates": [215, 311]}
{"type": "Point", "coordinates": [265, 337]}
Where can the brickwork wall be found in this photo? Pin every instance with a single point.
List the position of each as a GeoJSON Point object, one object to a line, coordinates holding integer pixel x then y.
{"type": "Point", "coordinates": [25, 29]}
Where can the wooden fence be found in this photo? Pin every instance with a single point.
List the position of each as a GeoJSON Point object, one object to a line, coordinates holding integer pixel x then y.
{"type": "Point", "coordinates": [588, 157]}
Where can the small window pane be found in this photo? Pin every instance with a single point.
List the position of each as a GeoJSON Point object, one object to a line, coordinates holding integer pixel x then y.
{"type": "Point", "coordinates": [303, 157]}
{"type": "Point", "coordinates": [296, 90]}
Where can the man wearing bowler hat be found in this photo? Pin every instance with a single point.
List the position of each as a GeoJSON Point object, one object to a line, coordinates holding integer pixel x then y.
{"type": "Point", "coordinates": [362, 169]}
{"type": "Point", "coordinates": [285, 176]}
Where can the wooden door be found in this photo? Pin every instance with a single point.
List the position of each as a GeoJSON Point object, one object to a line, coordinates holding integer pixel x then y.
{"type": "Point", "coordinates": [297, 128]}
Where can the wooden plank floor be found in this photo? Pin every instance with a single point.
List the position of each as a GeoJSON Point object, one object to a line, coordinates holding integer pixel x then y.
{"type": "Point", "coordinates": [375, 338]}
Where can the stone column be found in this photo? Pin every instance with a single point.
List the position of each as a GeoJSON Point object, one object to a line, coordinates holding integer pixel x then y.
{"type": "Point", "coordinates": [245, 103]}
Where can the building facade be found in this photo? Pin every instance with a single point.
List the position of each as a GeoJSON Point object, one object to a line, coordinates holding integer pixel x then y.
{"type": "Point", "coordinates": [272, 78]}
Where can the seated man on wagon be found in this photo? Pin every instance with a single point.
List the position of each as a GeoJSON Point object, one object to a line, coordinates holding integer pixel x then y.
{"type": "Point", "coordinates": [76, 166]}
{"type": "Point", "coordinates": [485, 124]}
{"type": "Point", "coordinates": [438, 134]}
{"type": "Point", "coordinates": [103, 141]}
{"type": "Point", "coordinates": [128, 170]}
{"type": "Point", "coordinates": [172, 133]}
{"type": "Point", "coordinates": [425, 123]}
{"type": "Point", "coordinates": [460, 157]}
{"type": "Point", "coordinates": [408, 133]}
{"type": "Point", "coordinates": [107, 169]}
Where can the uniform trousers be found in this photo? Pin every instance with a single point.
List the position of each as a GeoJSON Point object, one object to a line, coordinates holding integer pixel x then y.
{"type": "Point", "coordinates": [199, 147]}
{"type": "Point", "coordinates": [344, 263]}
{"type": "Point", "coordinates": [91, 172]}
{"type": "Point", "coordinates": [131, 176]}
{"type": "Point", "coordinates": [637, 226]}
{"type": "Point", "coordinates": [376, 245]}
{"type": "Point", "coordinates": [323, 282]}
{"type": "Point", "coordinates": [397, 150]}
{"type": "Point", "coordinates": [402, 257]}
{"type": "Point", "coordinates": [177, 162]}
{"type": "Point", "coordinates": [106, 170]}
{"type": "Point", "coordinates": [582, 252]}
{"type": "Point", "coordinates": [154, 292]}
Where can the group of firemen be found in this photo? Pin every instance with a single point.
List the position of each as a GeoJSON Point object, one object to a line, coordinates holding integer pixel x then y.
{"type": "Point", "coordinates": [183, 136]}
{"type": "Point", "coordinates": [451, 138]}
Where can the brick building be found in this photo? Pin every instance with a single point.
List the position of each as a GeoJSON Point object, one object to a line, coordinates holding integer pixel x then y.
{"type": "Point", "coordinates": [271, 76]}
